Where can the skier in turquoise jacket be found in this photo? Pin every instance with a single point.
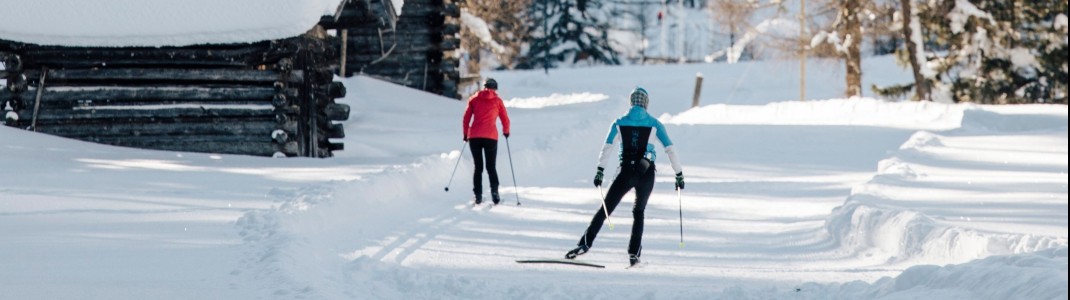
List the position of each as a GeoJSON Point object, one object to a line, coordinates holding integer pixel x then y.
{"type": "Point", "coordinates": [635, 170]}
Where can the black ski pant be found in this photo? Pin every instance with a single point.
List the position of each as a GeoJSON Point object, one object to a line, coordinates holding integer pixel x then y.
{"type": "Point", "coordinates": [484, 150]}
{"type": "Point", "coordinates": [625, 181]}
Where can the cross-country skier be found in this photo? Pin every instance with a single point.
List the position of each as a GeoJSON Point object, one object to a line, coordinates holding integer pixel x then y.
{"type": "Point", "coordinates": [481, 133]}
{"type": "Point", "coordinates": [636, 170]}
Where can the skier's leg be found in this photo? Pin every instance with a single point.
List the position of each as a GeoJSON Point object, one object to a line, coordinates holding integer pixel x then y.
{"type": "Point", "coordinates": [617, 189]}
{"type": "Point", "coordinates": [643, 189]}
{"type": "Point", "coordinates": [492, 169]}
{"type": "Point", "coordinates": [477, 157]}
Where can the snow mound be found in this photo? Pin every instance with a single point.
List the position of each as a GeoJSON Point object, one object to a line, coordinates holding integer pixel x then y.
{"type": "Point", "coordinates": [555, 99]}
{"type": "Point", "coordinates": [894, 217]}
{"type": "Point", "coordinates": [858, 111]}
{"type": "Point", "coordinates": [895, 167]}
{"type": "Point", "coordinates": [1013, 119]}
{"type": "Point", "coordinates": [1038, 275]}
{"type": "Point", "coordinates": [895, 235]}
{"type": "Point", "coordinates": [921, 139]}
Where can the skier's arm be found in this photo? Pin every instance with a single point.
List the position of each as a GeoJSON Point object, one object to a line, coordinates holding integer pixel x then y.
{"type": "Point", "coordinates": [467, 119]}
{"type": "Point", "coordinates": [504, 115]}
{"type": "Point", "coordinates": [607, 148]}
{"type": "Point", "coordinates": [670, 149]}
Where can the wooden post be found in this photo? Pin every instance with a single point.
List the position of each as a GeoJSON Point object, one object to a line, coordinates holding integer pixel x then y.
{"type": "Point", "coordinates": [698, 89]}
{"type": "Point", "coordinates": [345, 42]}
{"type": "Point", "coordinates": [37, 103]}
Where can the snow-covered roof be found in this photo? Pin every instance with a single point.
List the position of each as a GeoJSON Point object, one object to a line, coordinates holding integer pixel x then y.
{"type": "Point", "coordinates": [128, 23]}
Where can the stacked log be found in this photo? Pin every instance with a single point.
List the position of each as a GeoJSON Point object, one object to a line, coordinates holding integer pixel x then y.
{"type": "Point", "coordinates": [272, 98]}
{"type": "Point", "coordinates": [416, 49]}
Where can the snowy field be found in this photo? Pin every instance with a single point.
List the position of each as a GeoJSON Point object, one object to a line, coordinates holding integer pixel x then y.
{"type": "Point", "coordinates": [820, 199]}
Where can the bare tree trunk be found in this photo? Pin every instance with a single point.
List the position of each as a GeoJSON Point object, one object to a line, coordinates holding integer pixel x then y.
{"type": "Point", "coordinates": [853, 58]}
{"type": "Point", "coordinates": [921, 85]}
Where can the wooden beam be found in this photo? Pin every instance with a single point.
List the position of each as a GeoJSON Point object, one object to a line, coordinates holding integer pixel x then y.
{"type": "Point", "coordinates": [229, 127]}
{"type": "Point", "coordinates": [336, 131]}
{"type": "Point", "coordinates": [337, 112]}
{"type": "Point", "coordinates": [89, 97]}
{"type": "Point", "coordinates": [146, 113]}
{"type": "Point", "coordinates": [170, 75]}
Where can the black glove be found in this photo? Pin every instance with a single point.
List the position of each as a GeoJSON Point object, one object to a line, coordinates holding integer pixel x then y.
{"type": "Point", "coordinates": [598, 177]}
{"type": "Point", "coordinates": [680, 180]}
{"type": "Point", "coordinates": [465, 138]}
{"type": "Point", "coordinates": [506, 135]}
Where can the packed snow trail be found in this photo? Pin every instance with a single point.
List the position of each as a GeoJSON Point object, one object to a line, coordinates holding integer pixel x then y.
{"type": "Point", "coordinates": [756, 216]}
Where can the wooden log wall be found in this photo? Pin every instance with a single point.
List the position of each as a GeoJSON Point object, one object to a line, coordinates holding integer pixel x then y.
{"type": "Point", "coordinates": [416, 49]}
{"type": "Point", "coordinates": [271, 98]}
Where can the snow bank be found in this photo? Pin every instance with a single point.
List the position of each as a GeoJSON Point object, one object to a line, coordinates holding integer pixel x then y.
{"type": "Point", "coordinates": [1039, 275]}
{"type": "Point", "coordinates": [894, 218]}
{"type": "Point", "coordinates": [1036, 275]}
{"type": "Point", "coordinates": [1014, 118]}
{"type": "Point", "coordinates": [859, 111]}
{"type": "Point", "coordinates": [555, 100]}
{"type": "Point", "coordinates": [155, 23]}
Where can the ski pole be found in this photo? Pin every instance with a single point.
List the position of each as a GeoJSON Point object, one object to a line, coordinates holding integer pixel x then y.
{"type": "Point", "coordinates": [604, 209]}
{"type": "Point", "coordinates": [455, 165]}
{"type": "Point", "coordinates": [680, 199]}
{"type": "Point", "coordinates": [510, 152]}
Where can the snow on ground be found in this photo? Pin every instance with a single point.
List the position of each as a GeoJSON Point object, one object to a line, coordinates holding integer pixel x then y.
{"type": "Point", "coordinates": [821, 199]}
{"type": "Point", "coordinates": [155, 23]}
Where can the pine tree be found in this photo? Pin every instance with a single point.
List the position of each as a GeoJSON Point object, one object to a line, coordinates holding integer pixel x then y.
{"type": "Point", "coordinates": [989, 51]}
{"type": "Point", "coordinates": [573, 32]}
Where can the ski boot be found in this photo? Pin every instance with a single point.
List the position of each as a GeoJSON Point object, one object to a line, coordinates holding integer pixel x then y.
{"type": "Point", "coordinates": [580, 250]}
{"type": "Point", "coordinates": [633, 260]}
{"type": "Point", "coordinates": [479, 199]}
{"type": "Point", "coordinates": [494, 198]}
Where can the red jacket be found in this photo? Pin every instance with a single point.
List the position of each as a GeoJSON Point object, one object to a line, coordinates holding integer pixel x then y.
{"type": "Point", "coordinates": [485, 106]}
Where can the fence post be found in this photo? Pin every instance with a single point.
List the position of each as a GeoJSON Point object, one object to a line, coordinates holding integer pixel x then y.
{"type": "Point", "coordinates": [345, 41]}
{"type": "Point", "coordinates": [698, 89]}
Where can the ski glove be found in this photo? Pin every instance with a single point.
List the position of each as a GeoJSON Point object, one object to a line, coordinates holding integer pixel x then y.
{"type": "Point", "coordinates": [598, 177]}
{"type": "Point", "coordinates": [466, 138]}
{"type": "Point", "coordinates": [506, 135]}
{"type": "Point", "coordinates": [680, 180]}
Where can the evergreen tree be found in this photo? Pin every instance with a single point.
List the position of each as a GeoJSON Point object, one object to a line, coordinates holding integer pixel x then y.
{"type": "Point", "coordinates": [573, 32]}
{"type": "Point", "coordinates": [990, 51]}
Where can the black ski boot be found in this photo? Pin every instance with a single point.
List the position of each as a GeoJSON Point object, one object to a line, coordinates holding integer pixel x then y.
{"type": "Point", "coordinates": [478, 199]}
{"type": "Point", "coordinates": [580, 250]}
{"type": "Point", "coordinates": [494, 197]}
{"type": "Point", "coordinates": [633, 260]}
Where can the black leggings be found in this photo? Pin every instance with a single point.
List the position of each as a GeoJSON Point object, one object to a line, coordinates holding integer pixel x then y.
{"type": "Point", "coordinates": [481, 148]}
{"type": "Point", "coordinates": [626, 180]}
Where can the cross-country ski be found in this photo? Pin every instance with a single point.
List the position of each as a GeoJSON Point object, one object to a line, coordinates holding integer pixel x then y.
{"type": "Point", "coordinates": [559, 261]}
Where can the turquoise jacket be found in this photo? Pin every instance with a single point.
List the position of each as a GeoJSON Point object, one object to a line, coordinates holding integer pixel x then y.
{"type": "Point", "coordinates": [633, 130]}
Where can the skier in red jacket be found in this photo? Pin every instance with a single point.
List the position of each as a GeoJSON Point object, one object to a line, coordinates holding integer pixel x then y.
{"type": "Point", "coordinates": [481, 133]}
